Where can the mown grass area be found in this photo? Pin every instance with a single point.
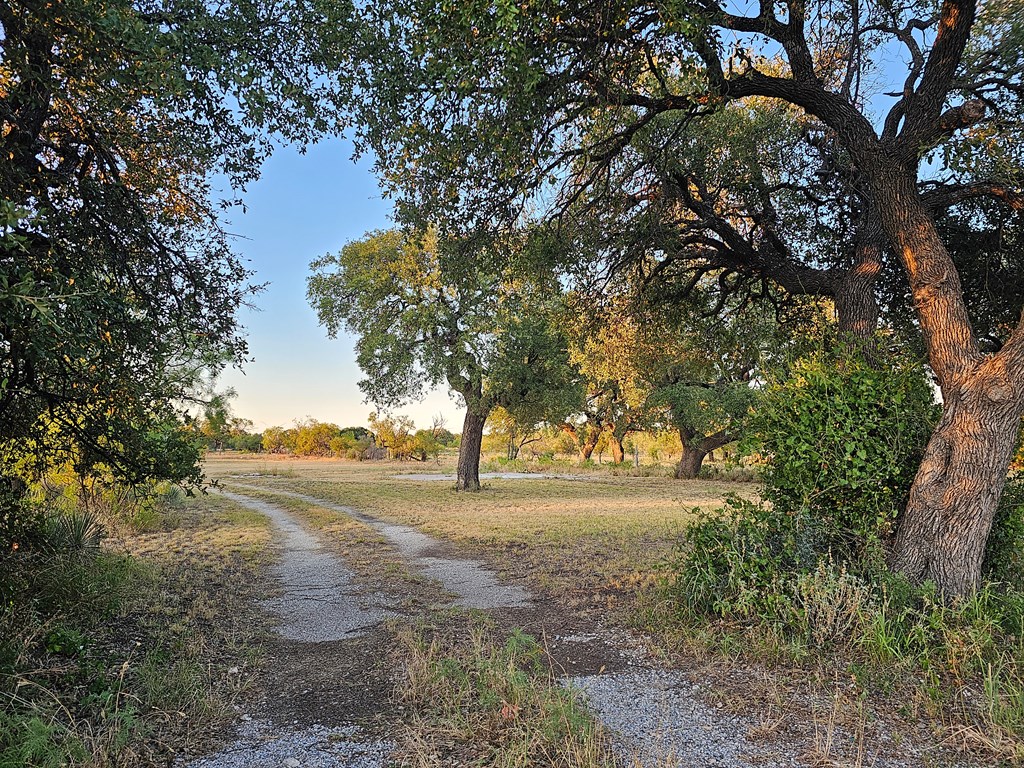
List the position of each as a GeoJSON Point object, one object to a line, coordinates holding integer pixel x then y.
{"type": "Point", "coordinates": [593, 542]}
{"type": "Point", "coordinates": [132, 653]}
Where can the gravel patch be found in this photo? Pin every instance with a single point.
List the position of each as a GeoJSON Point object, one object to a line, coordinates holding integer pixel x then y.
{"type": "Point", "coordinates": [433, 477]}
{"type": "Point", "coordinates": [319, 599]}
{"type": "Point", "coordinates": [263, 745]}
{"type": "Point", "coordinates": [656, 720]}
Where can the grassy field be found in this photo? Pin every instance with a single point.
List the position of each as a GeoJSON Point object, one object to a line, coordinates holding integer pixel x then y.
{"type": "Point", "coordinates": [591, 541]}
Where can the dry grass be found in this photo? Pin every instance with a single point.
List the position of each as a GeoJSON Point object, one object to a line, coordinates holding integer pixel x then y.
{"type": "Point", "coordinates": [149, 666]}
{"type": "Point", "coordinates": [194, 609]}
{"type": "Point", "coordinates": [593, 541]}
{"type": "Point", "coordinates": [477, 697]}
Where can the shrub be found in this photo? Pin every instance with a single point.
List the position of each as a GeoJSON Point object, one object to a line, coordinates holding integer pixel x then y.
{"type": "Point", "coordinates": [731, 562]}
{"type": "Point", "coordinates": [843, 438]}
{"type": "Point", "coordinates": [805, 569]}
{"type": "Point", "coordinates": [1004, 552]}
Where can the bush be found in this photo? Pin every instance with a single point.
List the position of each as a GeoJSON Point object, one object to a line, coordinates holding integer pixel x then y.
{"type": "Point", "coordinates": [731, 561]}
{"type": "Point", "coordinates": [805, 570]}
{"type": "Point", "coordinates": [1004, 553]}
{"type": "Point", "coordinates": [843, 438]}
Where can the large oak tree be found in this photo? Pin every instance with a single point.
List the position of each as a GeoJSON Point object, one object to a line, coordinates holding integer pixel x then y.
{"type": "Point", "coordinates": [480, 111]}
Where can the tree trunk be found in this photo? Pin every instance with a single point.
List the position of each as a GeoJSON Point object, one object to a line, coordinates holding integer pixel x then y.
{"type": "Point", "coordinates": [855, 300]}
{"type": "Point", "coordinates": [587, 447]}
{"type": "Point", "coordinates": [618, 454]}
{"type": "Point", "coordinates": [468, 475]}
{"type": "Point", "coordinates": [690, 462]}
{"type": "Point", "coordinates": [943, 531]}
{"type": "Point", "coordinates": [695, 451]}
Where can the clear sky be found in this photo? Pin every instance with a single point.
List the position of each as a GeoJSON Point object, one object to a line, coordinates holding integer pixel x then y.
{"type": "Point", "coordinates": [302, 207]}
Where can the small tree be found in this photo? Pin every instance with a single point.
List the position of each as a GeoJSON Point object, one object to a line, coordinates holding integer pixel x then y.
{"type": "Point", "coordinates": [512, 434]}
{"type": "Point", "coordinates": [315, 438]}
{"type": "Point", "coordinates": [394, 433]}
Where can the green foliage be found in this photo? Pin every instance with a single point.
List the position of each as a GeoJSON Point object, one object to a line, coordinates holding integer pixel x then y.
{"type": "Point", "coordinates": [98, 649]}
{"type": "Point", "coordinates": [313, 438]}
{"type": "Point", "coordinates": [423, 316]}
{"type": "Point", "coordinates": [767, 578]}
{"type": "Point", "coordinates": [1004, 551]}
{"type": "Point", "coordinates": [35, 741]}
{"type": "Point", "coordinates": [218, 428]}
{"type": "Point", "coordinates": [77, 532]}
{"type": "Point", "coordinates": [843, 436]}
{"type": "Point", "coordinates": [804, 571]}
{"type": "Point", "coordinates": [116, 278]}
{"type": "Point", "coordinates": [733, 562]}
{"type": "Point", "coordinates": [395, 433]}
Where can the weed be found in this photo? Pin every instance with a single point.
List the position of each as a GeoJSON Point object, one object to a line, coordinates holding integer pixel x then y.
{"type": "Point", "coordinates": [97, 646]}
{"type": "Point", "coordinates": [776, 588]}
{"type": "Point", "coordinates": [475, 693]}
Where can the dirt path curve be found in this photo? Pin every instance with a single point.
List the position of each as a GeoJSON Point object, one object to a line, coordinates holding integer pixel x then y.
{"type": "Point", "coordinates": [326, 615]}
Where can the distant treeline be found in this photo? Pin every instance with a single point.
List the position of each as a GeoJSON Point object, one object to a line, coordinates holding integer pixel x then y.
{"type": "Point", "coordinates": [392, 437]}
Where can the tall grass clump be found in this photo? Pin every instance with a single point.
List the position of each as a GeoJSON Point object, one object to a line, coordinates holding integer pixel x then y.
{"type": "Point", "coordinates": [73, 686]}
{"type": "Point", "coordinates": [803, 573]}
{"type": "Point", "coordinates": [485, 698]}
{"type": "Point", "coordinates": [56, 588]}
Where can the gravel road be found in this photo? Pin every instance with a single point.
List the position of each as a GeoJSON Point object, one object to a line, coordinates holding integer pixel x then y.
{"type": "Point", "coordinates": [472, 584]}
{"type": "Point", "coordinates": [657, 718]}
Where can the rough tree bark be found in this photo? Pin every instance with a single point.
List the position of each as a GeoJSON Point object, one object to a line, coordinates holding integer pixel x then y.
{"type": "Point", "coordinates": [854, 297]}
{"type": "Point", "coordinates": [690, 463]}
{"type": "Point", "coordinates": [468, 473]}
{"type": "Point", "coordinates": [587, 446]}
{"type": "Point", "coordinates": [943, 531]}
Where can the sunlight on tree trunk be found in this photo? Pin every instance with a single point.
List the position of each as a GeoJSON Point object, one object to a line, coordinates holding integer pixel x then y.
{"type": "Point", "coordinates": [618, 454]}
{"type": "Point", "coordinates": [943, 532]}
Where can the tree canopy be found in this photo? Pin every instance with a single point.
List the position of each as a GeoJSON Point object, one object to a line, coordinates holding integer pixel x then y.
{"type": "Point", "coordinates": [421, 320]}
{"type": "Point", "coordinates": [483, 113]}
{"type": "Point", "coordinates": [117, 280]}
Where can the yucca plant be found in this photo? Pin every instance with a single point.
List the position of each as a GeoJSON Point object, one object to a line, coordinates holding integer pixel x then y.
{"type": "Point", "coordinates": [75, 532]}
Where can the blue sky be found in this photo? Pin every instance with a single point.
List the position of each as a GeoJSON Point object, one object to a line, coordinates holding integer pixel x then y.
{"type": "Point", "coordinates": [302, 207]}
